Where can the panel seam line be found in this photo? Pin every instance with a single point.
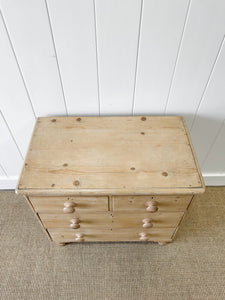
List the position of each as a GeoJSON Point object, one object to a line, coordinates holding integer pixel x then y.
{"type": "Point", "coordinates": [208, 82]}
{"type": "Point", "coordinates": [178, 56]}
{"type": "Point", "coordinates": [214, 141]}
{"type": "Point", "coordinates": [18, 65]}
{"type": "Point", "coordinates": [1, 167]}
{"type": "Point", "coordinates": [12, 136]}
{"type": "Point", "coordinates": [137, 56]}
{"type": "Point", "coordinates": [97, 60]}
{"type": "Point", "coordinates": [56, 56]}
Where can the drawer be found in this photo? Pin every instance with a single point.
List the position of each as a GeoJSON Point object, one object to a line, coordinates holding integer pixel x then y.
{"type": "Point", "coordinates": [57, 205]}
{"type": "Point", "coordinates": [144, 220]}
{"type": "Point", "coordinates": [77, 220]}
{"type": "Point", "coordinates": [90, 235]}
{"type": "Point", "coordinates": [142, 203]}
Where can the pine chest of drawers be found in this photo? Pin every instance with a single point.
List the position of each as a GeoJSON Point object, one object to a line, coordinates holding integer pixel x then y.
{"type": "Point", "coordinates": [110, 178]}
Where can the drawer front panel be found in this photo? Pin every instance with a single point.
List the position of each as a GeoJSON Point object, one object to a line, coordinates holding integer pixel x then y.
{"type": "Point", "coordinates": [56, 205]}
{"type": "Point", "coordinates": [144, 220]}
{"type": "Point", "coordinates": [117, 235]}
{"type": "Point", "coordinates": [161, 203]}
{"type": "Point", "coordinates": [102, 220]}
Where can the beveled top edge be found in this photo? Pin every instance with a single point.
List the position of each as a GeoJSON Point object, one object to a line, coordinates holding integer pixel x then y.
{"type": "Point", "coordinates": [105, 192]}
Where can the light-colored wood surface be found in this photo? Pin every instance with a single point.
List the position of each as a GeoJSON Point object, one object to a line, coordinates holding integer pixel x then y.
{"type": "Point", "coordinates": [56, 205]}
{"type": "Point", "coordinates": [92, 235]}
{"type": "Point", "coordinates": [194, 155]}
{"type": "Point", "coordinates": [139, 203]}
{"type": "Point", "coordinates": [162, 243]}
{"type": "Point", "coordinates": [82, 175]}
{"type": "Point", "coordinates": [61, 244]}
{"type": "Point", "coordinates": [134, 219]}
{"type": "Point", "coordinates": [112, 220]}
{"type": "Point", "coordinates": [93, 220]}
{"type": "Point", "coordinates": [110, 155]}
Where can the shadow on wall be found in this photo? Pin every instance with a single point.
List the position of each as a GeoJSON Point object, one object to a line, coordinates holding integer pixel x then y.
{"type": "Point", "coordinates": [207, 134]}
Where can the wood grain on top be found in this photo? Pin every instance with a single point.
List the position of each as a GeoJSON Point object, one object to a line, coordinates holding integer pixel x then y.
{"type": "Point", "coordinates": [110, 155]}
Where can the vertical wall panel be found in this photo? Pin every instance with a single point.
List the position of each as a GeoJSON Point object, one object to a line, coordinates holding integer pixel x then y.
{"type": "Point", "coordinates": [74, 33]}
{"type": "Point", "coordinates": [28, 26]}
{"type": "Point", "coordinates": [161, 31]}
{"type": "Point", "coordinates": [2, 172]}
{"type": "Point", "coordinates": [202, 38]}
{"type": "Point", "coordinates": [211, 112]}
{"type": "Point", "coordinates": [215, 162]}
{"type": "Point", "coordinates": [117, 40]}
{"type": "Point", "coordinates": [14, 102]}
{"type": "Point", "coordinates": [10, 158]}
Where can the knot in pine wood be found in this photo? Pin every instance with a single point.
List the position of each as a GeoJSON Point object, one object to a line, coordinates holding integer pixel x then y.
{"type": "Point", "coordinates": [164, 174]}
{"type": "Point", "coordinates": [76, 182]}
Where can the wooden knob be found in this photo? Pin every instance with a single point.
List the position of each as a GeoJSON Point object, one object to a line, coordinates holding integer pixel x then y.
{"type": "Point", "coordinates": [74, 226]}
{"type": "Point", "coordinates": [143, 237]}
{"type": "Point", "coordinates": [79, 237]}
{"type": "Point", "coordinates": [151, 206]}
{"type": "Point", "coordinates": [69, 207]}
{"type": "Point", "coordinates": [74, 223]}
{"type": "Point", "coordinates": [147, 223]}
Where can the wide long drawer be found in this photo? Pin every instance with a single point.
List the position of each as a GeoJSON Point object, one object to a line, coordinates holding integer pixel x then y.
{"type": "Point", "coordinates": [101, 220]}
{"type": "Point", "coordinates": [145, 220]}
{"type": "Point", "coordinates": [58, 205]}
{"type": "Point", "coordinates": [144, 203]}
{"type": "Point", "coordinates": [92, 235]}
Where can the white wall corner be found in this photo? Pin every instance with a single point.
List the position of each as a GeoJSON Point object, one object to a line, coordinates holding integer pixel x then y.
{"type": "Point", "coordinates": [8, 183]}
{"type": "Point", "coordinates": [214, 179]}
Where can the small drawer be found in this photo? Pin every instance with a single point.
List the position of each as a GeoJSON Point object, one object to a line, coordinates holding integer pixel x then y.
{"type": "Point", "coordinates": [140, 234]}
{"type": "Point", "coordinates": [61, 235]}
{"type": "Point", "coordinates": [69, 205]}
{"type": "Point", "coordinates": [151, 204]}
{"type": "Point", "coordinates": [77, 220]}
{"type": "Point", "coordinates": [65, 235]}
{"type": "Point", "coordinates": [144, 220]}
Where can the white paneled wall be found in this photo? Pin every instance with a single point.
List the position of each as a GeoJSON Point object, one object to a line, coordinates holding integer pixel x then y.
{"type": "Point", "coordinates": [117, 31]}
{"type": "Point", "coordinates": [161, 32]}
{"type": "Point", "coordinates": [28, 28]}
{"type": "Point", "coordinates": [111, 57]}
{"type": "Point", "coordinates": [73, 27]}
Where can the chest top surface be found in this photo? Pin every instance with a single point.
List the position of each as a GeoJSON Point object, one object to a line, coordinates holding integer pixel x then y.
{"type": "Point", "coordinates": [110, 155]}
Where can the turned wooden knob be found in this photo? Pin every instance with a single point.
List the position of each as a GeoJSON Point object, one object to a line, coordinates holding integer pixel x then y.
{"type": "Point", "coordinates": [147, 223]}
{"type": "Point", "coordinates": [69, 207]}
{"type": "Point", "coordinates": [143, 237]}
{"type": "Point", "coordinates": [79, 237]}
{"type": "Point", "coordinates": [151, 206]}
{"type": "Point", "coordinates": [74, 223]}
